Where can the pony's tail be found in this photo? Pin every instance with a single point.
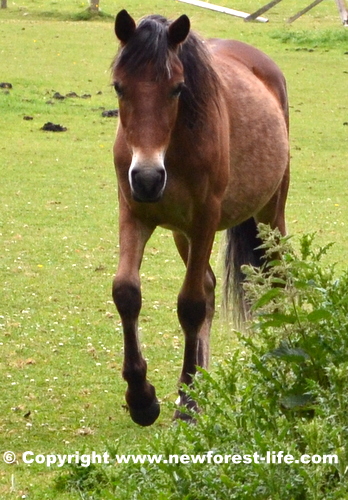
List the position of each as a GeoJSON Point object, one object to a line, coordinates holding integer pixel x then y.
{"type": "Point", "coordinates": [242, 244]}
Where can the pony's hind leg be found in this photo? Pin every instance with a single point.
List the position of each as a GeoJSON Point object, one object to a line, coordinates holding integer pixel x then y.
{"type": "Point", "coordinates": [140, 396]}
{"type": "Point", "coordinates": [242, 249]}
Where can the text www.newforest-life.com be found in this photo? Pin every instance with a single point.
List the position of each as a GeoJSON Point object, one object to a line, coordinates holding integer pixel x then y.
{"type": "Point", "coordinates": [210, 457]}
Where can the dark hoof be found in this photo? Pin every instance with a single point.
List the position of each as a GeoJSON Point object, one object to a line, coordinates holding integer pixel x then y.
{"type": "Point", "coordinates": [145, 416]}
{"type": "Point", "coordinates": [185, 417]}
{"type": "Point", "coordinates": [188, 404]}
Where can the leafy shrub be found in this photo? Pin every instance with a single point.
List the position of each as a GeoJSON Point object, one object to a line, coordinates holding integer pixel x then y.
{"type": "Point", "coordinates": [283, 389]}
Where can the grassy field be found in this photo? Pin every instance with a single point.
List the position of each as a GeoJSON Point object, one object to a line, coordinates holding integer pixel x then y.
{"type": "Point", "coordinates": [60, 337]}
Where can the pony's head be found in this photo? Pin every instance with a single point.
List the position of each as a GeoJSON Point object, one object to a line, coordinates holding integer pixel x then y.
{"type": "Point", "coordinates": [148, 77]}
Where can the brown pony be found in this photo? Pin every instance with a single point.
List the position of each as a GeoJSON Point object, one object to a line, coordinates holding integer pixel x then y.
{"type": "Point", "coordinates": [202, 146]}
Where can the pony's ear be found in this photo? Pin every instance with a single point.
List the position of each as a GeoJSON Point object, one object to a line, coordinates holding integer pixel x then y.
{"type": "Point", "coordinates": [178, 30]}
{"type": "Point", "coordinates": [124, 26]}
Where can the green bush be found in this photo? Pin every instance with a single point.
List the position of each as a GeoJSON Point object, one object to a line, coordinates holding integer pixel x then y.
{"type": "Point", "coordinates": [283, 389]}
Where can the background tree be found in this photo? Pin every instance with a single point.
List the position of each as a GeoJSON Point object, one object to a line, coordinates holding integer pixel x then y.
{"type": "Point", "coordinates": [94, 5]}
{"type": "Point", "coordinates": [3, 4]}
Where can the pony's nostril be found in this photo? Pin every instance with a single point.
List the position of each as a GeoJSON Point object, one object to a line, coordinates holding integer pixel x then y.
{"type": "Point", "coordinates": [147, 184]}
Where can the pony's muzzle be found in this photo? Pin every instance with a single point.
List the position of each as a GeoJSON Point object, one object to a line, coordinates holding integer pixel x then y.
{"type": "Point", "coordinates": [147, 183]}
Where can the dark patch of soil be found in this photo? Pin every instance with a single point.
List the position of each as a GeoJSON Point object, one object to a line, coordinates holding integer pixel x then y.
{"type": "Point", "coordinates": [52, 127]}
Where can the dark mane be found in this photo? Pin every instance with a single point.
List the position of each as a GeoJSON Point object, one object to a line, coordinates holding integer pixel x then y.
{"type": "Point", "coordinates": [149, 45]}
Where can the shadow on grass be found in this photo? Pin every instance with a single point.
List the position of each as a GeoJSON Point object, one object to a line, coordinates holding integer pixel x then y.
{"type": "Point", "coordinates": [89, 15]}
{"type": "Point", "coordinates": [55, 15]}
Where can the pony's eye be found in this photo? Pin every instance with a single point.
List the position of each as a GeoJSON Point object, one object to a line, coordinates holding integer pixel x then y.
{"type": "Point", "coordinates": [177, 90]}
{"type": "Point", "coordinates": [118, 89]}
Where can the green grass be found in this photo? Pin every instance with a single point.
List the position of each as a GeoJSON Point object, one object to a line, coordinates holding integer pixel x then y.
{"type": "Point", "coordinates": [61, 342]}
{"type": "Point", "coordinates": [321, 38]}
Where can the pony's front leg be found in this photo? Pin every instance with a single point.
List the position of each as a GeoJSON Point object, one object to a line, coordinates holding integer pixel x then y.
{"type": "Point", "coordinates": [182, 244]}
{"type": "Point", "coordinates": [196, 308]}
{"type": "Point", "coordinates": [140, 395]}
